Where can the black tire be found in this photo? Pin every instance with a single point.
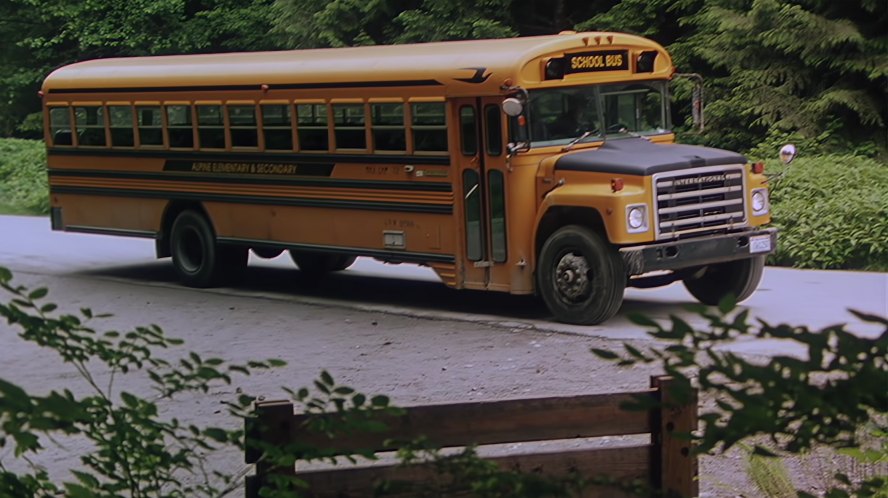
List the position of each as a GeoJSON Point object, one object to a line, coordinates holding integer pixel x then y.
{"type": "Point", "coordinates": [198, 259]}
{"type": "Point", "coordinates": [315, 265]}
{"type": "Point", "coordinates": [580, 276]}
{"type": "Point", "coordinates": [267, 252]}
{"type": "Point", "coordinates": [712, 283]}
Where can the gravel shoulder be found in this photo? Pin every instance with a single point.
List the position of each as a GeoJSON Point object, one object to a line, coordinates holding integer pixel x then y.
{"type": "Point", "coordinates": [413, 360]}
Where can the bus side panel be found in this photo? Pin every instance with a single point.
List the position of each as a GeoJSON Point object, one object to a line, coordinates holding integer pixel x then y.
{"type": "Point", "coordinates": [109, 214]}
{"type": "Point", "coordinates": [336, 228]}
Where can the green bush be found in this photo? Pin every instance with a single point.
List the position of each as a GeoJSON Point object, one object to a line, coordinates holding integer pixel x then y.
{"type": "Point", "coordinates": [23, 184]}
{"type": "Point", "coordinates": [829, 392]}
{"type": "Point", "coordinates": [832, 212]}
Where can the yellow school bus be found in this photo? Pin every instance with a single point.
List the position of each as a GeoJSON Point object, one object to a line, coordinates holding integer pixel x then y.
{"type": "Point", "coordinates": [528, 165]}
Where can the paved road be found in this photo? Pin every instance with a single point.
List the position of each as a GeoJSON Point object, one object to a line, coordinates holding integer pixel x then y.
{"type": "Point", "coordinates": [382, 329]}
{"type": "Point", "coordinates": [814, 298]}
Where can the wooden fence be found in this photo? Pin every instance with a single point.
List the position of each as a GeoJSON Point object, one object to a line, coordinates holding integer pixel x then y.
{"type": "Point", "coordinates": [667, 463]}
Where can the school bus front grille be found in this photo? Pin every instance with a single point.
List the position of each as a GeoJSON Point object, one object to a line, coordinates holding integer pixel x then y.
{"type": "Point", "coordinates": [699, 200]}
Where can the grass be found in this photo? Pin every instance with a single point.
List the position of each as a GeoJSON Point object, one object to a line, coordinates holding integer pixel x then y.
{"type": "Point", "coordinates": [23, 183]}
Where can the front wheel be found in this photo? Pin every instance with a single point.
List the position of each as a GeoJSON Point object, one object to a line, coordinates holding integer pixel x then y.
{"type": "Point", "coordinates": [740, 278]}
{"type": "Point", "coordinates": [581, 277]}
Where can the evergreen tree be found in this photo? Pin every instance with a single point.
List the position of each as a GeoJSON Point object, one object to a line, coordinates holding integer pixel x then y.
{"type": "Point", "coordinates": [816, 69]}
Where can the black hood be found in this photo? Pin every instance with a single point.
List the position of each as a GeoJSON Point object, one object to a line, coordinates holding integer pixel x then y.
{"type": "Point", "coordinates": [637, 156]}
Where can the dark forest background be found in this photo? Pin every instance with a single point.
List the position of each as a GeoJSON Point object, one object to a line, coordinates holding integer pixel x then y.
{"type": "Point", "coordinates": [811, 71]}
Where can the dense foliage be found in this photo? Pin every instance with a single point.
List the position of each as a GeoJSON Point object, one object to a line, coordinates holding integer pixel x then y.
{"type": "Point", "coordinates": [829, 391]}
{"type": "Point", "coordinates": [832, 212]}
{"type": "Point", "coordinates": [23, 187]}
{"type": "Point", "coordinates": [812, 67]}
{"type": "Point", "coordinates": [138, 452]}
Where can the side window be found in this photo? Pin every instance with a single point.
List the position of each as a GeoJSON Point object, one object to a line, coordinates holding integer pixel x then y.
{"type": "Point", "coordinates": [60, 126]}
{"type": "Point", "coordinates": [179, 126]}
{"type": "Point", "coordinates": [474, 234]}
{"type": "Point", "coordinates": [277, 127]}
{"type": "Point", "coordinates": [120, 117]}
{"type": "Point", "coordinates": [468, 131]}
{"type": "Point", "coordinates": [150, 125]}
{"type": "Point", "coordinates": [90, 124]}
{"type": "Point", "coordinates": [497, 188]}
{"type": "Point", "coordinates": [242, 119]}
{"type": "Point", "coordinates": [210, 127]}
{"type": "Point", "coordinates": [388, 127]}
{"type": "Point", "coordinates": [312, 126]}
{"type": "Point", "coordinates": [349, 126]}
{"type": "Point", "coordinates": [493, 130]}
{"type": "Point", "coordinates": [429, 127]}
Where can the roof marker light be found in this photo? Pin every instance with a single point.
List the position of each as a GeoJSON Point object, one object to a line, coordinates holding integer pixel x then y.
{"type": "Point", "coordinates": [616, 184]}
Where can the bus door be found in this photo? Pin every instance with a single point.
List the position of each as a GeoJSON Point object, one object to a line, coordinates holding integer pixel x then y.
{"type": "Point", "coordinates": [482, 192]}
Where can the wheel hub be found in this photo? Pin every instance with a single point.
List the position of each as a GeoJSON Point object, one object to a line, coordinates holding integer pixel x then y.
{"type": "Point", "coordinates": [572, 276]}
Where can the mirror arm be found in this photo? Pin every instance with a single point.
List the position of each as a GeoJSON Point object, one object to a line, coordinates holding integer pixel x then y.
{"type": "Point", "coordinates": [697, 99]}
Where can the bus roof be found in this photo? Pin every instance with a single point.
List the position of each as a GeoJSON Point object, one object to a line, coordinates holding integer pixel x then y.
{"type": "Point", "coordinates": [460, 67]}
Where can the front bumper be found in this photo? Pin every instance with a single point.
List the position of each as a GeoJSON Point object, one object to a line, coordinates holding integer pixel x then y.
{"type": "Point", "coordinates": [689, 253]}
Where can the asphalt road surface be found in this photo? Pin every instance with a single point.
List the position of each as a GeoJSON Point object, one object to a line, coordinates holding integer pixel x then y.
{"type": "Point", "coordinates": [391, 329]}
{"type": "Point", "coordinates": [814, 298]}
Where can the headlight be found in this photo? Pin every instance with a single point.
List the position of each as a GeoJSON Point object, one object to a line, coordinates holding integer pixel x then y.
{"type": "Point", "coordinates": [636, 218]}
{"type": "Point", "coordinates": [759, 202]}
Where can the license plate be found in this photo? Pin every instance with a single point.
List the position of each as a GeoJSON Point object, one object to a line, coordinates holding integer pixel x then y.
{"type": "Point", "coordinates": [760, 243]}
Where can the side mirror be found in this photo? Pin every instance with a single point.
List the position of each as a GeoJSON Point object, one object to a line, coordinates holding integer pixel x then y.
{"type": "Point", "coordinates": [512, 107]}
{"type": "Point", "coordinates": [787, 153]}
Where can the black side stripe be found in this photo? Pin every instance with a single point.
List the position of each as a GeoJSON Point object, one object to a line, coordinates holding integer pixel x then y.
{"type": "Point", "coordinates": [254, 180]}
{"type": "Point", "coordinates": [285, 157]}
{"type": "Point", "coordinates": [257, 87]}
{"type": "Point", "coordinates": [404, 207]}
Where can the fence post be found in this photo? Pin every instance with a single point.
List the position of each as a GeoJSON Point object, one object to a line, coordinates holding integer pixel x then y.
{"type": "Point", "coordinates": [273, 426]}
{"type": "Point", "coordinates": [677, 467]}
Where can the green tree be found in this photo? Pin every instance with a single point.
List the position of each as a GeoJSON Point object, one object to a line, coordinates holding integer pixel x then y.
{"type": "Point", "coordinates": [811, 67]}
{"type": "Point", "coordinates": [817, 68]}
{"type": "Point", "coordinates": [43, 35]}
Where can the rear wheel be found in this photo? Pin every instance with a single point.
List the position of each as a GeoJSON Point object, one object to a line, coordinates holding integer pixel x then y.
{"type": "Point", "coordinates": [267, 252]}
{"type": "Point", "coordinates": [198, 259]}
{"type": "Point", "coordinates": [317, 264]}
{"type": "Point", "coordinates": [581, 277]}
{"type": "Point", "coordinates": [740, 278]}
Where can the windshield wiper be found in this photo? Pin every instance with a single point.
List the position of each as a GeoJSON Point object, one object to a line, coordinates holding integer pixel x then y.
{"type": "Point", "coordinates": [577, 140]}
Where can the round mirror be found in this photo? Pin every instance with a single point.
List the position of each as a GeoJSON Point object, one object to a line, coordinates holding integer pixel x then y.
{"type": "Point", "coordinates": [513, 107]}
{"type": "Point", "coordinates": [787, 153]}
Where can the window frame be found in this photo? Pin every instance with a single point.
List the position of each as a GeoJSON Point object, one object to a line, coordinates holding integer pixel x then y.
{"type": "Point", "coordinates": [388, 127]}
{"type": "Point", "coordinates": [364, 128]}
{"type": "Point", "coordinates": [290, 127]}
{"type": "Point", "coordinates": [133, 126]}
{"type": "Point", "coordinates": [212, 127]}
{"type": "Point", "coordinates": [444, 127]}
{"type": "Point", "coordinates": [169, 128]}
{"type": "Point", "coordinates": [298, 127]}
{"type": "Point", "coordinates": [69, 113]}
{"type": "Point", "coordinates": [104, 126]}
{"type": "Point", "coordinates": [162, 126]}
{"type": "Point", "coordinates": [231, 127]}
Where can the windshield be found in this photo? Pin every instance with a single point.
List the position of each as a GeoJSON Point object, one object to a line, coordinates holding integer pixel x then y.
{"type": "Point", "coordinates": [558, 116]}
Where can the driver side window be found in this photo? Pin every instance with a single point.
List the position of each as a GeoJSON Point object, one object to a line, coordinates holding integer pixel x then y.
{"type": "Point", "coordinates": [562, 115]}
